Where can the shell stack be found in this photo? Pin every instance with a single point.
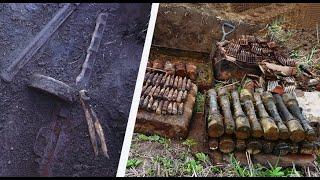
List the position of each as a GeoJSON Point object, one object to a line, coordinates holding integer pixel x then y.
{"type": "Point", "coordinates": [258, 123]}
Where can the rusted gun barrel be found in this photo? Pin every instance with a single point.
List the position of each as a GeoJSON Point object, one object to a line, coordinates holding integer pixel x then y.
{"type": "Point", "coordinates": [296, 130]}
{"type": "Point", "coordinates": [293, 107]}
{"type": "Point", "coordinates": [215, 122]}
{"type": "Point", "coordinates": [229, 125]}
{"type": "Point", "coordinates": [267, 99]}
{"type": "Point", "coordinates": [246, 99]}
{"type": "Point", "coordinates": [270, 129]}
{"type": "Point", "coordinates": [241, 120]}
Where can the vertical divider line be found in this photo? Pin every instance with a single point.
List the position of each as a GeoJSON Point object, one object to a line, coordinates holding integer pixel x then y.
{"type": "Point", "coordinates": [136, 96]}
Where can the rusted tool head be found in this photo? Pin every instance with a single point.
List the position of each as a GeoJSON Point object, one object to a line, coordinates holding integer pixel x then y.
{"type": "Point", "coordinates": [52, 86]}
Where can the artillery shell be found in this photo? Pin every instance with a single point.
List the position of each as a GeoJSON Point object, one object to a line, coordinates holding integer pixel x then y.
{"type": "Point", "coordinates": [213, 144]}
{"type": "Point", "coordinates": [270, 129]}
{"type": "Point", "coordinates": [175, 95]}
{"type": "Point", "coordinates": [159, 108]}
{"type": "Point", "coordinates": [159, 79]}
{"type": "Point", "coordinates": [155, 77]}
{"type": "Point", "coordinates": [161, 93]}
{"type": "Point", "coordinates": [180, 83]}
{"type": "Point", "coordinates": [141, 102]}
{"type": "Point", "coordinates": [294, 108]}
{"type": "Point", "coordinates": [226, 144]}
{"type": "Point", "coordinates": [170, 95]}
{"type": "Point", "coordinates": [163, 80]}
{"type": "Point", "coordinates": [294, 148]}
{"type": "Point", "coordinates": [184, 95]}
{"type": "Point", "coordinates": [166, 93]}
{"type": "Point", "coordinates": [241, 145]}
{"type": "Point", "coordinates": [191, 71]}
{"type": "Point", "coordinates": [180, 108]}
{"type": "Point", "coordinates": [246, 99]}
{"type": "Point", "coordinates": [150, 103]}
{"type": "Point", "coordinates": [145, 102]}
{"type": "Point", "coordinates": [152, 91]}
{"type": "Point", "coordinates": [189, 83]}
{"type": "Point", "coordinates": [171, 81]}
{"type": "Point", "coordinates": [155, 105]}
{"type": "Point", "coordinates": [169, 68]}
{"type": "Point", "coordinates": [181, 69]}
{"type": "Point", "coordinates": [149, 80]}
{"type": "Point", "coordinates": [242, 123]}
{"type": "Point", "coordinates": [229, 124]}
{"type": "Point", "coordinates": [296, 130]}
{"type": "Point", "coordinates": [215, 121]}
{"type": "Point", "coordinates": [184, 83]}
{"type": "Point", "coordinates": [157, 64]}
{"type": "Point", "coordinates": [267, 99]}
{"type": "Point", "coordinates": [254, 146]}
{"type": "Point", "coordinates": [267, 146]}
{"type": "Point", "coordinates": [174, 108]}
{"type": "Point", "coordinates": [175, 84]}
{"type": "Point", "coordinates": [147, 91]}
{"type": "Point", "coordinates": [165, 107]}
{"type": "Point", "coordinates": [169, 110]}
{"type": "Point", "coordinates": [281, 148]}
{"type": "Point", "coordinates": [156, 92]}
{"type": "Point", "coordinates": [144, 88]}
{"type": "Point", "coordinates": [179, 97]}
{"type": "Point", "coordinates": [167, 83]}
{"type": "Point", "coordinates": [307, 148]}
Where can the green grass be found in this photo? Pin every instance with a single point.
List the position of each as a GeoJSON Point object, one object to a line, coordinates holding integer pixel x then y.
{"type": "Point", "coordinates": [189, 143]}
{"type": "Point", "coordinates": [132, 163]}
{"type": "Point", "coordinates": [277, 33]}
{"type": "Point", "coordinates": [154, 138]}
{"type": "Point", "coordinates": [258, 170]}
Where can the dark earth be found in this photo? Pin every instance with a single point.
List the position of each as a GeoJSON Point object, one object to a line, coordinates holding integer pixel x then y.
{"type": "Point", "coordinates": [24, 111]}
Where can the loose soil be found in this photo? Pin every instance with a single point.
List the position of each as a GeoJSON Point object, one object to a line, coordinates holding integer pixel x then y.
{"type": "Point", "coordinates": [25, 111]}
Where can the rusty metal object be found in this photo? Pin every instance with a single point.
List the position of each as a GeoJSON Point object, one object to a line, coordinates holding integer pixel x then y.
{"type": "Point", "coordinates": [273, 86]}
{"type": "Point", "coordinates": [254, 146]}
{"type": "Point", "coordinates": [38, 41]}
{"type": "Point", "coordinates": [180, 83]}
{"type": "Point", "coordinates": [181, 69]}
{"type": "Point", "coordinates": [281, 148]}
{"type": "Point", "coordinates": [213, 144]}
{"type": "Point", "coordinates": [88, 64]}
{"type": "Point", "coordinates": [215, 121]}
{"type": "Point", "coordinates": [267, 146]}
{"type": "Point", "coordinates": [241, 121]}
{"type": "Point", "coordinates": [293, 106]}
{"type": "Point", "coordinates": [267, 99]}
{"type": "Point", "coordinates": [246, 99]}
{"type": "Point", "coordinates": [226, 144]}
{"type": "Point", "coordinates": [94, 125]}
{"type": "Point", "coordinates": [180, 108]}
{"type": "Point", "coordinates": [226, 111]}
{"type": "Point", "coordinates": [157, 64]}
{"type": "Point", "coordinates": [191, 71]}
{"type": "Point", "coordinates": [297, 133]}
{"type": "Point", "coordinates": [52, 86]}
{"type": "Point", "coordinates": [270, 129]}
{"type": "Point", "coordinates": [169, 68]}
{"type": "Point", "coordinates": [241, 145]}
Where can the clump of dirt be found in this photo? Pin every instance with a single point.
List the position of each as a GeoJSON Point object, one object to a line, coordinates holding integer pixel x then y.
{"type": "Point", "coordinates": [25, 111]}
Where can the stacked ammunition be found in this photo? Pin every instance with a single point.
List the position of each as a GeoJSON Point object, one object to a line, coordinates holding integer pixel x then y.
{"type": "Point", "coordinates": [258, 122]}
{"type": "Point", "coordinates": [164, 93]}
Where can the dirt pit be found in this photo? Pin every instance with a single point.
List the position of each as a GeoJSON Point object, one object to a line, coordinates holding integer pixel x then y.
{"type": "Point", "coordinates": [24, 111]}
